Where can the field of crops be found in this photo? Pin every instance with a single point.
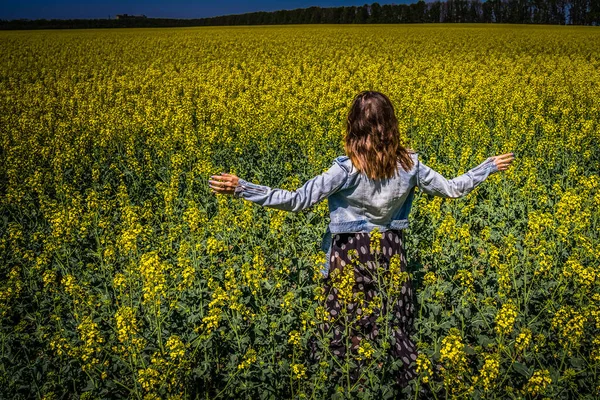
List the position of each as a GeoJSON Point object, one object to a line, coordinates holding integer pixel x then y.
{"type": "Point", "coordinates": [121, 275]}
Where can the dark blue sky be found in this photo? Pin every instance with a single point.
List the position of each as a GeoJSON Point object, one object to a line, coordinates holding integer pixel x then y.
{"type": "Point", "coordinates": [65, 9]}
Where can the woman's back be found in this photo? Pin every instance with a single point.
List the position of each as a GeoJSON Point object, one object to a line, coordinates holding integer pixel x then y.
{"type": "Point", "coordinates": [377, 202]}
{"type": "Point", "coordinates": [362, 204]}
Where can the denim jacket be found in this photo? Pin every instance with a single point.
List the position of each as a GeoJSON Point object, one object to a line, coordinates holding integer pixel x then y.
{"type": "Point", "coordinates": [360, 204]}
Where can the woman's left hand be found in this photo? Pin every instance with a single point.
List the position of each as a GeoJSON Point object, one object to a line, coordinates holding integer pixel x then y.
{"type": "Point", "coordinates": [223, 184]}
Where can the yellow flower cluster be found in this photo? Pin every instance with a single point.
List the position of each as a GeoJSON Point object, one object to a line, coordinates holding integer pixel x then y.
{"type": "Point", "coordinates": [489, 372]}
{"type": "Point", "coordinates": [288, 300]}
{"type": "Point", "coordinates": [164, 375]}
{"type": "Point", "coordinates": [493, 256]}
{"type": "Point", "coordinates": [120, 282]}
{"type": "Point", "coordinates": [49, 277]}
{"type": "Point", "coordinates": [375, 241]}
{"type": "Point", "coordinates": [538, 383]}
{"type": "Point", "coordinates": [233, 290]}
{"type": "Point", "coordinates": [70, 284]}
{"type": "Point", "coordinates": [584, 276]}
{"type": "Point", "coordinates": [188, 274]}
{"type": "Point", "coordinates": [569, 324]}
{"type": "Point", "coordinates": [595, 355]}
{"type": "Point", "coordinates": [175, 347]}
{"type": "Point", "coordinates": [248, 360]}
{"type": "Point", "coordinates": [307, 321]}
{"type": "Point", "coordinates": [153, 271]}
{"type": "Point", "coordinates": [254, 273]}
{"type": "Point", "coordinates": [595, 312]}
{"type": "Point", "coordinates": [126, 323]}
{"type": "Point", "coordinates": [211, 321]}
{"type": "Point", "coordinates": [375, 304]}
{"type": "Point", "coordinates": [132, 228]}
{"type": "Point", "coordinates": [365, 350]}
{"type": "Point", "coordinates": [504, 281]}
{"type": "Point", "coordinates": [397, 277]}
{"type": "Point", "coordinates": [430, 278]}
{"type": "Point", "coordinates": [89, 334]}
{"type": "Point", "coordinates": [214, 246]}
{"type": "Point", "coordinates": [343, 280]}
{"type": "Point", "coordinates": [318, 262]}
{"type": "Point", "coordinates": [544, 264]}
{"type": "Point", "coordinates": [539, 342]}
{"type": "Point", "coordinates": [194, 217]}
{"type": "Point", "coordinates": [570, 215]}
{"type": "Point", "coordinates": [76, 291]}
{"type": "Point", "coordinates": [149, 378]}
{"type": "Point", "coordinates": [454, 363]}
{"type": "Point", "coordinates": [506, 268]}
{"type": "Point", "coordinates": [447, 228]}
{"type": "Point", "coordinates": [60, 345]}
{"type": "Point", "coordinates": [465, 279]}
{"type": "Point", "coordinates": [452, 350]}
{"type": "Point", "coordinates": [11, 289]}
{"type": "Point", "coordinates": [298, 371]}
{"type": "Point", "coordinates": [277, 220]}
{"type": "Point", "coordinates": [424, 368]}
{"type": "Point", "coordinates": [127, 331]}
{"type": "Point", "coordinates": [432, 207]}
{"type": "Point", "coordinates": [523, 340]}
{"type": "Point", "coordinates": [294, 338]}
{"type": "Point", "coordinates": [505, 319]}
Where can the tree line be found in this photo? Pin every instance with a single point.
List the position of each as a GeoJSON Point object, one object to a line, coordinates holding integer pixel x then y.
{"type": "Point", "coordinates": [576, 12]}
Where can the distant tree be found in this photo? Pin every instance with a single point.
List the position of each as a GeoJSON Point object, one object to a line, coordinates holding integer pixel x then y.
{"type": "Point", "coordinates": [487, 12]}
{"type": "Point", "coordinates": [578, 11]}
{"type": "Point", "coordinates": [387, 14]}
{"type": "Point", "coordinates": [375, 17]}
{"type": "Point", "coordinates": [475, 13]}
{"type": "Point", "coordinates": [331, 15]}
{"type": "Point", "coordinates": [540, 12]}
{"type": "Point", "coordinates": [418, 11]}
{"type": "Point", "coordinates": [362, 15]}
{"type": "Point", "coordinates": [448, 11]}
{"type": "Point", "coordinates": [400, 13]}
{"type": "Point", "coordinates": [517, 11]}
{"type": "Point", "coordinates": [435, 10]}
{"type": "Point", "coordinates": [557, 11]}
{"type": "Point", "coordinates": [498, 11]}
{"type": "Point", "coordinates": [348, 15]}
{"type": "Point", "coordinates": [593, 16]}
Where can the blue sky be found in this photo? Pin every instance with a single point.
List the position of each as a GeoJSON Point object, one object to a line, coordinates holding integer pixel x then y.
{"type": "Point", "coordinates": [65, 9]}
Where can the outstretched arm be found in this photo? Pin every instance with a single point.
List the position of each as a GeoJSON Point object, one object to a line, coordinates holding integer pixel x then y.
{"type": "Point", "coordinates": [433, 183]}
{"type": "Point", "coordinates": [313, 191]}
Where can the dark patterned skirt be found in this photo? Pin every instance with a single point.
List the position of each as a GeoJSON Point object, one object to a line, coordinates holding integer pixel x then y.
{"type": "Point", "coordinates": [365, 286]}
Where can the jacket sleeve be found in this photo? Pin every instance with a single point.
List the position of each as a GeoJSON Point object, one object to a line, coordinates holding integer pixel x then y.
{"type": "Point", "coordinates": [433, 183]}
{"type": "Point", "coordinates": [313, 191]}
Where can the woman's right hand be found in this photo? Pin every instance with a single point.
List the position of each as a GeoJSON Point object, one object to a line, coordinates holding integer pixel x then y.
{"type": "Point", "coordinates": [223, 184]}
{"type": "Point", "coordinates": [503, 161]}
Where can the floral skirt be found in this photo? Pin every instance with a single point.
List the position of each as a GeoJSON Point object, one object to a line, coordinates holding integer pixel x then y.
{"type": "Point", "coordinates": [364, 305]}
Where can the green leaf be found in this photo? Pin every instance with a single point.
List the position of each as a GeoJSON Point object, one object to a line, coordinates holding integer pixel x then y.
{"type": "Point", "coordinates": [522, 369]}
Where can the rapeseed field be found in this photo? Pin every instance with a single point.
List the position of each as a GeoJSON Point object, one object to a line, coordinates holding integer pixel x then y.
{"type": "Point", "coordinates": [122, 276]}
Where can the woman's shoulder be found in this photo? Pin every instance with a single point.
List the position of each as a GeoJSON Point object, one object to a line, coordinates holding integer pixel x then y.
{"type": "Point", "coordinates": [413, 154]}
{"type": "Point", "coordinates": [345, 162]}
{"type": "Point", "coordinates": [414, 157]}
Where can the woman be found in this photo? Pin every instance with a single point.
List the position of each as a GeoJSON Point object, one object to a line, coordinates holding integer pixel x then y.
{"type": "Point", "coordinates": [370, 189]}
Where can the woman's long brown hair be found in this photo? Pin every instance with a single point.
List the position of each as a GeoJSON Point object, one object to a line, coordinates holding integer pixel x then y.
{"type": "Point", "coordinates": [372, 138]}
